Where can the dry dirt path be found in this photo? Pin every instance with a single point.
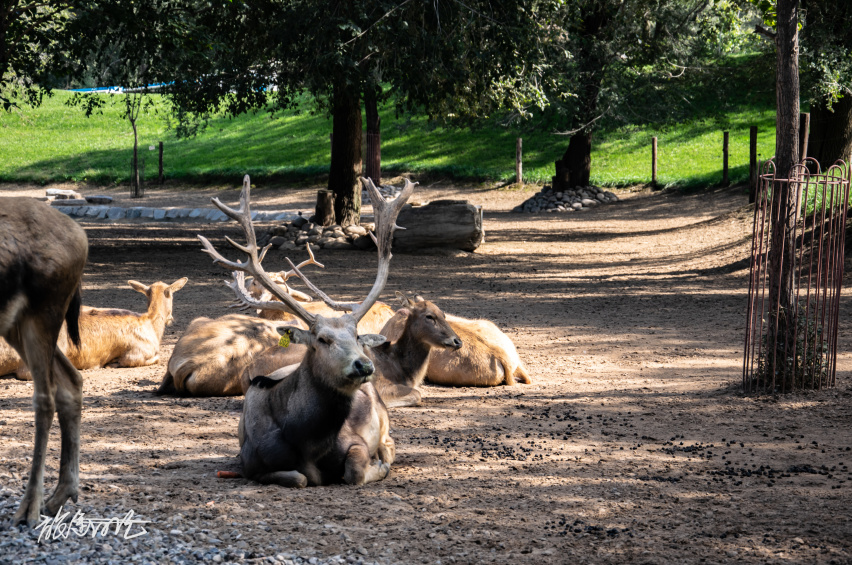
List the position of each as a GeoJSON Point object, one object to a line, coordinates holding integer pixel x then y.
{"type": "Point", "coordinates": [633, 445]}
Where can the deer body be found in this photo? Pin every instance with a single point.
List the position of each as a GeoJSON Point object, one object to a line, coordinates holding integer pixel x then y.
{"type": "Point", "coordinates": [125, 338]}
{"type": "Point", "coordinates": [402, 364]}
{"type": "Point", "coordinates": [42, 255]}
{"type": "Point", "coordinates": [210, 357]}
{"type": "Point", "coordinates": [323, 422]}
{"type": "Point", "coordinates": [487, 357]}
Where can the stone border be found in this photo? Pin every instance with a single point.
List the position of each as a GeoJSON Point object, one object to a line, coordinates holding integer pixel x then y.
{"type": "Point", "coordinates": [143, 214]}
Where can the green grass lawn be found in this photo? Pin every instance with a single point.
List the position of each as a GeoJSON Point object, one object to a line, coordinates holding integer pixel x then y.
{"type": "Point", "coordinates": [57, 143]}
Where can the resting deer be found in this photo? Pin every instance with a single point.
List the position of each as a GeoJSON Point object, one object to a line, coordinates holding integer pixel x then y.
{"type": "Point", "coordinates": [324, 422]}
{"type": "Point", "coordinates": [487, 357]}
{"type": "Point", "coordinates": [211, 355]}
{"type": "Point", "coordinates": [400, 366]}
{"type": "Point", "coordinates": [125, 338]}
{"type": "Point", "coordinates": [372, 322]}
{"type": "Point", "coordinates": [42, 255]}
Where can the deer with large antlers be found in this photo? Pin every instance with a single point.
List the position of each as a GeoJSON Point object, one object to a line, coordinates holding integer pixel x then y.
{"type": "Point", "coordinates": [42, 255]}
{"type": "Point", "coordinates": [324, 422]}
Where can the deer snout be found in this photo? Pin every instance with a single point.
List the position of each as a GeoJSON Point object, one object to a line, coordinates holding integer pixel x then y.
{"type": "Point", "coordinates": [363, 368]}
{"type": "Point", "coordinates": [454, 342]}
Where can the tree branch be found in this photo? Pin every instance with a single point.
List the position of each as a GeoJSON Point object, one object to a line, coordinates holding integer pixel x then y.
{"type": "Point", "coordinates": [766, 32]}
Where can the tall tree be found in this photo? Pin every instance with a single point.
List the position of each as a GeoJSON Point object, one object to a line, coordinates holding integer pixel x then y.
{"type": "Point", "coordinates": [594, 53]}
{"type": "Point", "coordinates": [29, 33]}
{"type": "Point", "coordinates": [265, 52]}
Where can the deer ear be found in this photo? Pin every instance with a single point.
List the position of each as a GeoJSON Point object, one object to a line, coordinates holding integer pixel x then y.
{"type": "Point", "coordinates": [371, 340]}
{"type": "Point", "coordinates": [178, 284]}
{"type": "Point", "coordinates": [418, 298]}
{"type": "Point", "coordinates": [404, 301]}
{"type": "Point", "coordinates": [296, 335]}
{"type": "Point", "coordinates": [138, 287]}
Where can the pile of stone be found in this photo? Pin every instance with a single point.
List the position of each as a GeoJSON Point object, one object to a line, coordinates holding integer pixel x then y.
{"type": "Point", "coordinates": [388, 192]}
{"type": "Point", "coordinates": [295, 234]}
{"type": "Point", "coordinates": [579, 198]}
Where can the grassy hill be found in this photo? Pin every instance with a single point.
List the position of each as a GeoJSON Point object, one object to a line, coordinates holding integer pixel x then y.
{"type": "Point", "coordinates": [57, 143]}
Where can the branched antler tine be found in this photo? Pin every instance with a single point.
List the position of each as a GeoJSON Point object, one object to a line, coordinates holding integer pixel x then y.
{"type": "Point", "coordinates": [252, 264]}
{"type": "Point", "coordinates": [218, 258]}
{"type": "Point", "coordinates": [341, 307]}
{"type": "Point", "coordinates": [262, 254]}
{"type": "Point", "coordinates": [385, 214]}
{"type": "Point", "coordinates": [306, 262]}
{"type": "Point", "coordinates": [238, 285]}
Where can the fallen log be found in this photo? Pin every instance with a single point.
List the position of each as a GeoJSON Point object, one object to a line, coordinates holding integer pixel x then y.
{"type": "Point", "coordinates": [453, 224]}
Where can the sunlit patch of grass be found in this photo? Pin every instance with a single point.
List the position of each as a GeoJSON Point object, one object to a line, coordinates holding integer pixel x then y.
{"type": "Point", "coordinates": [58, 143]}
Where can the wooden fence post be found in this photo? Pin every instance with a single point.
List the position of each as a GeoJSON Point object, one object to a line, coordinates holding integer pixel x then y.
{"type": "Point", "coordinates": [519, 175]}
{"type": "Point", "coordinates": [654, 161]}
{"type": "Point", "coordinates": [753, 170]}
{"type": "Point", "coordinates": [725, 141]}
{"type": "Point", "coordinates": [160, 176]}
{"type": "Point", "coordinates": [804, 127]}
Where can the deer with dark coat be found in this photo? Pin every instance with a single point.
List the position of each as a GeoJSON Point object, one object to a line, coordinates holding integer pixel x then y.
{"type": "Point", "coordinates": [324, 422]}
{"type": "Point", "coordinates": [42, 255]}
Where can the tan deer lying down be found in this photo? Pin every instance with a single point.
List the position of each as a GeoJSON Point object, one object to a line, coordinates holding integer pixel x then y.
{"type": "Point", "coordinates": [487, 357]}
{"type": "Point", "coordinates": [400, 365]}
{"type": "Point", "coordinates": [125, 338]}
{"type": "Point", "coordinates": [323, 422]}
{"type": "Point", "coordinates": [211, 355]}
{"type": "Point", "coordinates": [42, 255]}
{"type": "Point", "coordinates": [12, 364]}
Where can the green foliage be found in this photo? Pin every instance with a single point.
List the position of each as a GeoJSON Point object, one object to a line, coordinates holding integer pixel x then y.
{"type": "Point", "coordinates": [57, 143]}
{"type": "Point", "coordinates": [29, 32]}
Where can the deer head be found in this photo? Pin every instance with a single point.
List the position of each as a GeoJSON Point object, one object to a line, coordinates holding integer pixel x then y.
{"type": "Point", "coordinates": [427, 322]}
{"type": "Point", "coordinates": [335, 354]}
{"type": "Point", "coordinates": [160, 297]}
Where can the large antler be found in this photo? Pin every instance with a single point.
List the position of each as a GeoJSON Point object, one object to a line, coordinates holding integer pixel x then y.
{"type": "Point", "coordinates": [252, 264]}
{"type": "Point", "coordinates": [281, 280]}
{"type": "Point", "coordinates": [385, 214]}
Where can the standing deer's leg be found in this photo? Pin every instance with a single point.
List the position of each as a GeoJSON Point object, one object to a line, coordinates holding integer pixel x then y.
{"type": "Point", "coordinates": [69, 403]}
{"type": "Point", "coordinates": [37, 351]}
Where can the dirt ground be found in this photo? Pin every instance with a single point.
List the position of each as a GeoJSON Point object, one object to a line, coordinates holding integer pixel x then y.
{"type": "Point", "coordinates": [635, 443]}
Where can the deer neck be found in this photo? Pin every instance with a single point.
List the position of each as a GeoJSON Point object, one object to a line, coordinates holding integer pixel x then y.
{"type": "Point", "coordinates": [412, 356]}
{"type": "Point", "coordinates": [323, 409]}
{"type": "Point", "coordinates": [157, 315]}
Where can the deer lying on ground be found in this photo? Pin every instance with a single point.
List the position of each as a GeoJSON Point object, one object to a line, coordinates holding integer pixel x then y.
{"type": "Point", "coordinates": [323, 422]}
{"type": "Point", "coordinates": [211, 355]}
{"type": "Point", "coordinates": [487, 357]}
{"type": "Point", "coordinates": [372, 322]}
{"type": "Point", "coordinates": [42, 255]}
{"type": "Point", "coordinates": [111, 336]}
{"type": "Point", "coordinates": [400, 365]}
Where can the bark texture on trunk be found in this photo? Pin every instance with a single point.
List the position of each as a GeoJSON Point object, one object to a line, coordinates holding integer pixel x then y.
{"type": "Point", "coordinates": [344, 175]}
{"type": "Point", "coordinates": [784, 196]}
{"type": "Point", "coordinates": [831, 132]}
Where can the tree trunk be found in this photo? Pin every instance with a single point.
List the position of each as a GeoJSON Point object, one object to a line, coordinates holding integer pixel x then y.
{"type": "Point", "coordinates": [344, 175]}
{"type": "Point", "coordinates": [135, 180]}
{"type": "Point", "coordinates": [373, 161]}
{"type": "Point", "coordinates": [831, 132]}
{"type": "Point", "coordinates": [324, 214]}
{"type": "Point", "coordinates": [578, 159]}
{"type": "Point", "coordinates": [784, 196]}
